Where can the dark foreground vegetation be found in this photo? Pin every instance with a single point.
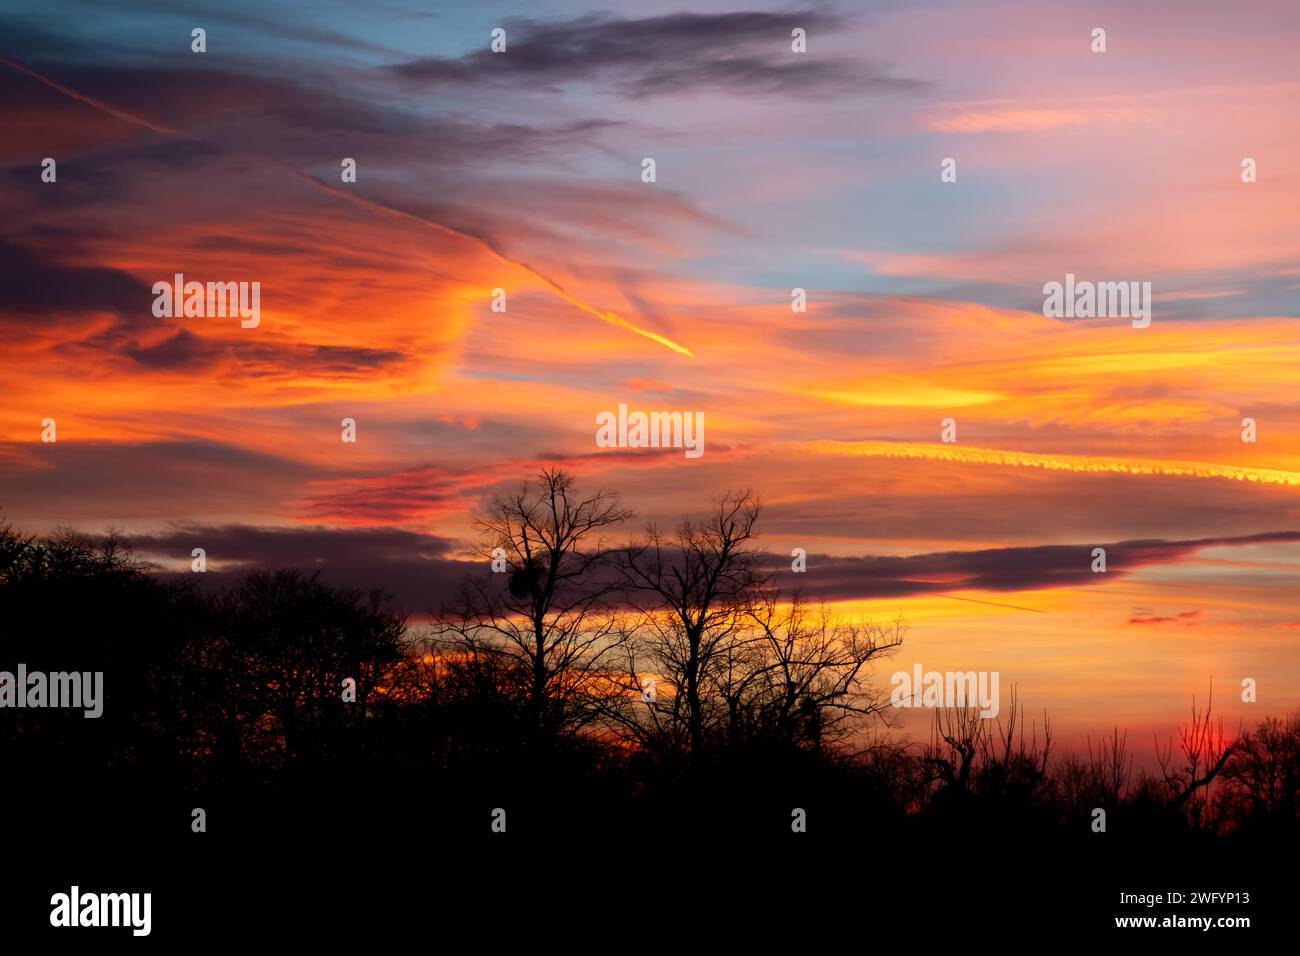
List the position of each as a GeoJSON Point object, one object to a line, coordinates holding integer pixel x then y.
{"type": "Point", "coordinates": [533, 694]}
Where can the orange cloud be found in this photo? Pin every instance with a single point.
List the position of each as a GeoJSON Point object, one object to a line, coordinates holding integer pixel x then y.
{"type": "Point", "coordinates": [1074, 463]}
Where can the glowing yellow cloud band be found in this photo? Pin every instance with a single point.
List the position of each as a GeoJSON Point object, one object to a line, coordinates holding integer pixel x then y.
{"type": "Point", "coordinates": [1075, 463]}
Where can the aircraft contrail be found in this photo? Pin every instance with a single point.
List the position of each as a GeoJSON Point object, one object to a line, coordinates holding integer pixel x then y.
{"type": "Point", "coordinates": [1014, 607]}
{"type": "Point", "coordinates": [604, 315]}
{"type": "Point", "coordinates": [1052, 462]}
{"type": "Point", "coordinates": [89, 100]}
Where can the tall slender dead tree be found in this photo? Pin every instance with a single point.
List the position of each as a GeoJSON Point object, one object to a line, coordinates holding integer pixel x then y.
{"type": "Point", "coordinates": [1205, 751]}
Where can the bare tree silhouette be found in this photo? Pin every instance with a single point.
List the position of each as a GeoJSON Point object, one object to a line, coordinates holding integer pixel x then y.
{"type": "Point", "coordinates": [694, 589]}
{"type": "Point", "coordinates": [807, 678]}
{"type": "Point", "coordinates": [1263, 773]}
{"type": "Point", "coordinates": [554, 616]}
{"type": "Point", "coordinates": [1205, 751]}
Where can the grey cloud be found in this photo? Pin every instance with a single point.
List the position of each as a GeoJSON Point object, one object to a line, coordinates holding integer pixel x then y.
{"type": "Point", "coordinates": [416, 569]}
{"type": "Point", "coordinates": [741, 52]}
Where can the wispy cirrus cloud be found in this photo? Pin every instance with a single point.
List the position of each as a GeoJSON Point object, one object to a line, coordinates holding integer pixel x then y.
{"type": "Point", "coordinates": [746, 53]}
{"type": "Point", "coordinates": [1187, 618]}
{"type": "Point", "coordinates": [1025, 119]}
{"type": "Point", "coordinates": [1028, 568]}
{"type": "Point", "coordinates": [1076, 463]}
{"type": "Point", "coordinates": [433, 492]}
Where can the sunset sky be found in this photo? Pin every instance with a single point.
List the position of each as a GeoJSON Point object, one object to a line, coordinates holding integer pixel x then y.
{"type": "Point", "coordinates": [775, 170]}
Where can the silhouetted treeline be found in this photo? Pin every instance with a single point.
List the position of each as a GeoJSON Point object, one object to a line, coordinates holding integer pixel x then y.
{"type": "Point", "coordinates": [640, 685]}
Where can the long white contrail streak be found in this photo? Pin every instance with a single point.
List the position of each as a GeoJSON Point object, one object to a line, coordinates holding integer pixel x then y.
{"type": "Point", "coordinates": [1051, 462]}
